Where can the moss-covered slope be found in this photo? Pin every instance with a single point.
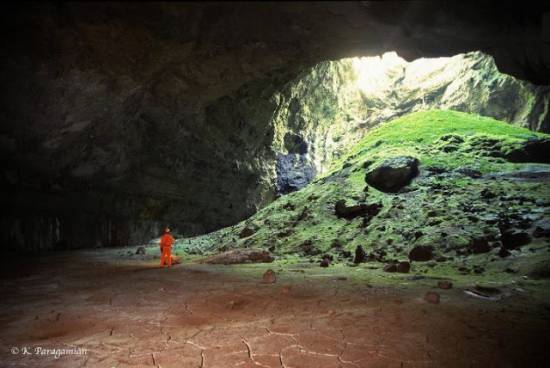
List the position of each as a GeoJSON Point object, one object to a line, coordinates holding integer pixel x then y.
{"type": "Point", "coordinates": [467, 194]}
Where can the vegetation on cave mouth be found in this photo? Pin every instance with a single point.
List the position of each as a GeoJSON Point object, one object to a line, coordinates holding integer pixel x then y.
{"type": "Point", "coordinates": [466, 195]}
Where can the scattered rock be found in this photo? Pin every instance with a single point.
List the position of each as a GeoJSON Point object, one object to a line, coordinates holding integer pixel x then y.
{"type": "Point", "coordinates": [539, 271]}
{"type": "Point", "coordinates": [140, 250]}
{"type": "Point", "coordinates": [513, 239]}
{"type": "Point", "coordinates": [478, 269]}
{"type": "Point", "coordinates": [421, 253]}
{"type": "Point", "coordinates": [445, 285]}
{"type": "Point", "coordinates": [436, 170]}
{"type": "Point", "coordinates": [269, 277]}
{"type": "Point", "coordinates": [534, 150]}
{"type": "Point", "coordinates": [237, 256]}
{"type": "Point", "coordinates": [542, 229]}
{"type": "Point", "coordinates": [467, 171]}
{"type": "Point", "coordinates": [308, 248]}
{"type": "Point", "coordinates": [487, 194]}
{"type": "Point", "coordinates": [451, 138]}
{"type": "Point", "coordinates": [289, 206]}
{"type": "Point", "coordinates": [432, 297]}
{"type": "Point", "coordinates": [503, 252]}
{"type": "Point", "coordinates": [484, 292]}
{"type": "Point", "coordinates": [362, 209]}
{"type": "Point", "coordinates": [377, 255]}
{"type": "Point", "coordinates": [360, 255]}
{"type": "Point", "coordinates": [479, 245]}
{"type": "Point", "coordinates": [404, 267]}
{"type": "Point", "coordinates": [393, 174]}
{"type": "Point", "coordinates": [367, 164]}
{"type": "Point", "coordinates": [246, 232]}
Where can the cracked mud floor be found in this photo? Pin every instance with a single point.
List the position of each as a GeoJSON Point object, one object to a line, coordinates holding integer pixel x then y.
{"type": "Point", "coordinates": [130, 313]}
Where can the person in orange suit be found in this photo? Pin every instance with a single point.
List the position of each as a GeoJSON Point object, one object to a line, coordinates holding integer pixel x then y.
{"type": "Point", "coordinates": [166, 242]}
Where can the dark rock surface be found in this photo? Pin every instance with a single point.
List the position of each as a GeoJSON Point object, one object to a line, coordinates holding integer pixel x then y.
{"type": "Point", "coordinates": [362, 209]}
{"type": "Point", "coordinates": [432, 297]}
{"type": "Point", "coordinates": [294, 172]}
{"type": "Point", "coordinates": [421, 253]}
{"type": "Point", "coordinates": [241, 256]}
{"type": "Point", "coordinates": [445, 285]}
{"type": "Point", "coordinates": [121, 118]}
{"type": "Point", "coordinates": [360, 255]}
{"type": "Point", "coordinates": [269, 277]}
{"type": "Point", "coordinates": [393, 174]}
{"type": "Point", "coordinates": [513, 239]}
{"type": "Point", "coordinates": [537, 150]}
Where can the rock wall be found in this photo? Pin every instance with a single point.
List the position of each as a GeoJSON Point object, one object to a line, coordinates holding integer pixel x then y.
{"type": "Point", "coordinates": [337, 102]}
{"type": "Point", "coordinates": [120, 118]}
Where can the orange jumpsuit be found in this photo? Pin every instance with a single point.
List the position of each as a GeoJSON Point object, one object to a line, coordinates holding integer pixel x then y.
{"type": "Point", "coordinates": [166, 242]}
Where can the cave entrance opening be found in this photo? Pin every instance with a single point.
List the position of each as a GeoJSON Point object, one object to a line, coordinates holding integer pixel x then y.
{"type": "Point", "coordinates": [336, 103]}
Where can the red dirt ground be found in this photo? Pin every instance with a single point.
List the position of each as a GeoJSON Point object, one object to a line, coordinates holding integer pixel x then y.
{"type": "Point", "coordinates": [133, 314]}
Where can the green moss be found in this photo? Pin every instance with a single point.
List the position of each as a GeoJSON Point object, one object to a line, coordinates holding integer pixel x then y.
{"type": "Point", "coordinates": [304, 223]}
{"type": "Point", "coordinates": [418, 134]}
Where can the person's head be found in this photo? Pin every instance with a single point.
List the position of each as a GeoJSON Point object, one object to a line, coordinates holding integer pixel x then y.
{"type": "Point", "coordinates": [167, 230]}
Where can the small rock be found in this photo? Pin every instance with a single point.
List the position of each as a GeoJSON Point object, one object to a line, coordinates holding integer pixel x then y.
{"type": "Point", "coordinates": [487, 194]}
{"type": "Point", "coordinates": [432, 297]}
{"type": "Point", "coordinates": [404, 267]}
{"type": "Point", "coordinates": [246, 232]}
{"type": "Point", "coordinates": [466, 171]}
{"type": "Point", "coordinates": [513, 239]}
{"type": "Point", "coordinates": [269, 277]}
{"type": "Point", "coordinates": [346, 254]}
{"type": "Point", "coordinates": [478, 269]}
{"type": "Point", "coordinates": [325, 262]}
{"type": "Point", "coordinates": [539, 271]}
{"type": "Point", "coordinates": [479, 245]}
{"type": "Point", "coordinates": [445, 285]}
{"type": "Point", "coordinates": [140, 250]}
{"type": "Point", "coordinates": [362, 209]}
{"type": "Point", "coordinates": [503, 252]}
{"type": "Point", "coordinates": [360, 255]}
{"type": "Point", "coordinates": [421, 253]}
{"type": "Point", "coordinates": [542, 229]}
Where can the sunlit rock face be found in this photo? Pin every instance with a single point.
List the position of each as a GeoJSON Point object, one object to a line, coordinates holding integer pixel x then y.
{"type": "Point", "coordinates": [335, 104]}
{"type": "Point", "coordinates": [120, 118]}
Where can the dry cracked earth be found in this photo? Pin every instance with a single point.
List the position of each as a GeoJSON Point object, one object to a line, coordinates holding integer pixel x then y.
{"type": "Point", "coordinates": [131, 313]}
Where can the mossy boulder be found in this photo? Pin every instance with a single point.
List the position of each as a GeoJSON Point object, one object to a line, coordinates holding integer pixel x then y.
{"type": "Point", "coordinates": [393, 173]}
{"type": "Point", "coordinates": [421, 253]}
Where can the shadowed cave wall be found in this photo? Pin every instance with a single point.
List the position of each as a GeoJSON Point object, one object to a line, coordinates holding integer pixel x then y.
{"type": "Point", "coordinates": [119, 118]}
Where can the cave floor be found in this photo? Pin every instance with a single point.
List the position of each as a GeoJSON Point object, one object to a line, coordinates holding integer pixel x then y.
{"type": "Point", "coordinates": [128, 312]}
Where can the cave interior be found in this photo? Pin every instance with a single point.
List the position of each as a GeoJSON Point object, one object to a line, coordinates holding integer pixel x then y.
{"type": "Point", "coordinates": [346, 184]}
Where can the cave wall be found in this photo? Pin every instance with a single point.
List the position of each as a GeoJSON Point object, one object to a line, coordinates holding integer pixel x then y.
{"type": "Point", "coordinates": [113, 114]}
{"type": "Point", "coordinates": [325, 110]}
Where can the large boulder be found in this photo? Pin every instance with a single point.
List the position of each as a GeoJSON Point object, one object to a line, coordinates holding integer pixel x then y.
{"type": "Point", "coordinates": [421, 253]}
{"type": "Point", "coordinates": [362, 209]}
{"type": "Point", "coordinates": [514, 238]}
{"type": "Point", "coordinates": [534, 150]}
{"type": "Point", "coordinates": [393, 174]}
{"type": "Point", "coordinates": [241, 256]}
